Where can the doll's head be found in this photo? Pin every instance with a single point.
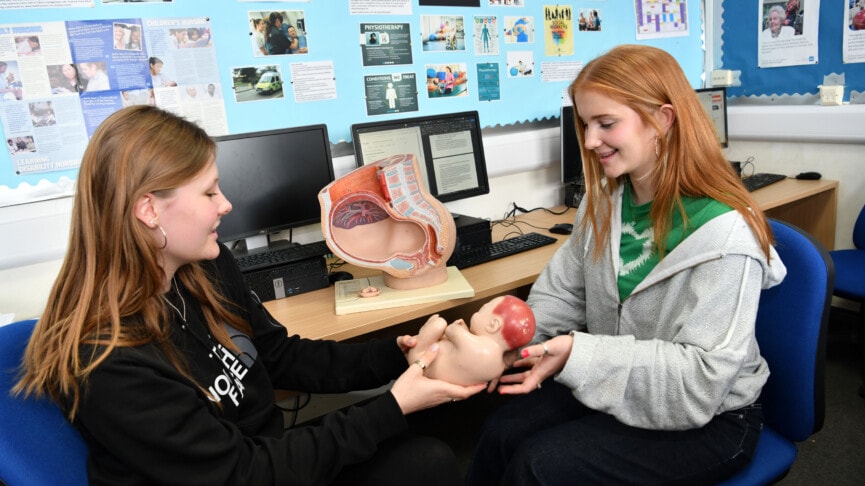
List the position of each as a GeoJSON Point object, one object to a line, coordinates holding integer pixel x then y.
{"type": "Point", "coordinates": [508, 316]}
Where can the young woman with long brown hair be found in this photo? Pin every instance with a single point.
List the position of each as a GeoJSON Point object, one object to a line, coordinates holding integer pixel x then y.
{"type": "Point", "coordinates": [162, 358]}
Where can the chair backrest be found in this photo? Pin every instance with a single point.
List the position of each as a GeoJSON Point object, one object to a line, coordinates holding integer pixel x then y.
{"type": "Point", "coordinates": [791, 331]}
{"type": "Point", "coordinates": [859, 230]}
{"type": "Point", "coordinates": [38, 446]}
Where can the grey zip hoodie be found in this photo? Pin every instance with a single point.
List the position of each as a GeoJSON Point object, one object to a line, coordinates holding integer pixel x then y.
{"type": "Point", "coordinates": [681, 348]}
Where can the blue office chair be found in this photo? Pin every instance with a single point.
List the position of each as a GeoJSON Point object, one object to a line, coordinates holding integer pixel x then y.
{"type": "Point", "coordinates": [37, 445]}
{"type": "Point", "coordinates": [791, 332]}
{"type": "Point", "coordinates": [850, 276]}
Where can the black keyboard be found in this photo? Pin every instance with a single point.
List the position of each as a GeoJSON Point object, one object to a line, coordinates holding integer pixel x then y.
{"type": "Point", "coordinates": [500, 249]}
{"type": "Point", "coordinates": [281, 256]}
{"type": "Point", "coordinates": [761, 179]}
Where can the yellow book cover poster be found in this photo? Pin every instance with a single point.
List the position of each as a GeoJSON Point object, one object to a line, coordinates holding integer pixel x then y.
{"type": "Point", "coordinates": [558, 30]}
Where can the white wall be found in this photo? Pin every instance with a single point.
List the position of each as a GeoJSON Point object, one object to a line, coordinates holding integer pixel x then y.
{"type": "Point", "coordinates": [523, 169]}
{"type": "Point", "coordinates": [793, 139]}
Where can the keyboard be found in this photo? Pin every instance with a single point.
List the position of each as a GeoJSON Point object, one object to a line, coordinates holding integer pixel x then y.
{"type": "Point", "coordinates": [281, 256]}
{"type": "Point", "coordinates": [500, 249]}
{"type": "Point", "coordinates": [761, 179]}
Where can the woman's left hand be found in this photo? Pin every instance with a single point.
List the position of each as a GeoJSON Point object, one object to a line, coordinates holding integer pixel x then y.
{"type": "Point", "coordinates": [544, 360]}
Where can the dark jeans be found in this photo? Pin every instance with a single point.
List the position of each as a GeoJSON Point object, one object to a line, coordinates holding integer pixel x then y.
{"type": "Point", "coordinates": [408, 459]}
{"type": "Point", "coordinates": [548, 437]}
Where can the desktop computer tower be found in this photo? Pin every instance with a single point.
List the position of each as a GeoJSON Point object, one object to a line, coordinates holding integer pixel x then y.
{"type": "Point", "coordinates": [472, 232]}
{"type": "Point", "coordinates": [287, 280]}
{"type": "Point", "coordinates": [574, 194]}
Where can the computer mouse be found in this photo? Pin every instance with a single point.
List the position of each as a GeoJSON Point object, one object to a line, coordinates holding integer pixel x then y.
{"type": "Point", "coordinates": [334, 277]}
{"type": "Point", "coordinates": [808, 176]}
{"type": "Point", "coordinates": [562, 228]}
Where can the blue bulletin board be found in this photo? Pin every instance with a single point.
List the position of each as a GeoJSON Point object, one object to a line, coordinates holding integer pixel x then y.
{"type": "Point", "coordinates": [740, 49]}
{"type": "Point", "coordinates": [517, 79]}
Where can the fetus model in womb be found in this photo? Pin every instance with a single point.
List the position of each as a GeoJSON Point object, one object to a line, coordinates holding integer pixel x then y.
{"type": "Point", "coordinates": [382, 216]}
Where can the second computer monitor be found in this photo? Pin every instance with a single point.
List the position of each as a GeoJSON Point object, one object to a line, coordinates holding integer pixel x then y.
{"type": "Point", "coordinates": [714, 101]}
{"type": "Point", "coordinates": [272, 179]}
{"type": "Point", "coordinates": [448, 148]}
{"type": "Point", "coordinates": [571, 157]}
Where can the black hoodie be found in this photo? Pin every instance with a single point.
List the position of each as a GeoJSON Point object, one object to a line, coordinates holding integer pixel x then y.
{"type": "Point", "coordinates": [144, 423]}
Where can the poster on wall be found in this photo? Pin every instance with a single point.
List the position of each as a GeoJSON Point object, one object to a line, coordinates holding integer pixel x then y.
{"type": "Point", "coordinates": [521, 64]}
{"type": "Point", "coordinates": [558, 30]}
{"type": "Point", "coordinates": [62, 79]}
{"type": "Point", "coordinates": [378, 7]}
{"type": "Point", "coordinates": [486, 30]}
{"type": "Point", "coordinates": [257, 83]}
{"type": "Point", "coordinates": [450, 3]}
{"type": "Point", "coordinates": [385, 44]}
{"type": "Point", "coordinates": [446, 80]}
{"type": "Point", "coordinates": [443, 33]}
{"type": "Point", "coordinates": [16, 4]}
{"type": "Point", "coordinates": [788, 33]}
{"type": "Point", "coordinates": [854, 31]}
{"type": "Point", "coordinates": [519, 30]}
{"type": "Point", "coordinates": [313, 81]}
{"type": "Point", "coordinates": [390, 93]}
{"type": "Point", "coordinates": [589, 20]}
{"type": "Point", "coordinates": [506, 3]}
{"type": "Point", "coordinates": [278, 32]}
{"type": "Point", "coordinates": [664, 18]}
{"type": "Point", "coordinates": [560, 71]}
{"type": "Point", "coordinates": [489, 84]}
{"type": "Point", "coordinates": [40, 104]}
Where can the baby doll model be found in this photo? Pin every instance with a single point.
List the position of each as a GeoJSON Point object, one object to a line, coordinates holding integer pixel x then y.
{"type": "Point", "coordinates": [474, 354]}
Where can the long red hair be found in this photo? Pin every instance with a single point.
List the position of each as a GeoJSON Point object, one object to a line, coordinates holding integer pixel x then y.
{"type": "Point", "coordinates": [690, 162]}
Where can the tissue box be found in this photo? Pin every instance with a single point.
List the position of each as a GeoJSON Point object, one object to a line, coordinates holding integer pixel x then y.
{"type": "Point", "coordinates": [831, 95]}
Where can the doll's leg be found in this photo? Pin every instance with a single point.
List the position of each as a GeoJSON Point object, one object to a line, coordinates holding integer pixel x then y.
{"type": "Point", "coordinates": [431, 332]}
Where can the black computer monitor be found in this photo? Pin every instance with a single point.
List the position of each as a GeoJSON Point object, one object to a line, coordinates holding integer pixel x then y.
{"type": "Point", "coordinates": [272, 179]}
{"type": "Point", "coordinates": [571, 157]}
{"type": "Point", "coordinates": [714, 100]}
{"type": "Point", "coordinates": [448, 147]}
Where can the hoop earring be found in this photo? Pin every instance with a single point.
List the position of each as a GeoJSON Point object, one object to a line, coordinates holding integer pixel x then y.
{"type": "Point", "coordinates": [164, 236]}
{"type": "Point", "coordinates": [657, 147]}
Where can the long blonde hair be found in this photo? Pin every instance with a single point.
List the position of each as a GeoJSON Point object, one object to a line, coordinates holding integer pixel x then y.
{"type": "Point", "coordinates": [690, 160]}
{"type": "Point", "coordinates": [108, 291]}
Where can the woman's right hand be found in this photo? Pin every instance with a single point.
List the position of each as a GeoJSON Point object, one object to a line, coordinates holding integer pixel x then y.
{"type": "Point", "coordinates": [544, 360]}
{"type": "Point", "coordinates": [413, 391]}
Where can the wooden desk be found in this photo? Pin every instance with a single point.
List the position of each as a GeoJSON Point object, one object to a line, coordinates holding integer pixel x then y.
{"type": "Point", "coordinates": [810, 205]}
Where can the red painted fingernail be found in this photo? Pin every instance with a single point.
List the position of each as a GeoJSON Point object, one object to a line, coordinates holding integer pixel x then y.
{"type": "Point", "coordinates": [524, 353]}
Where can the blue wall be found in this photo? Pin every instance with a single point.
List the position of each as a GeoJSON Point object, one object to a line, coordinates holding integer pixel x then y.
{"type": "Point", "coordinates": [333, 35]}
